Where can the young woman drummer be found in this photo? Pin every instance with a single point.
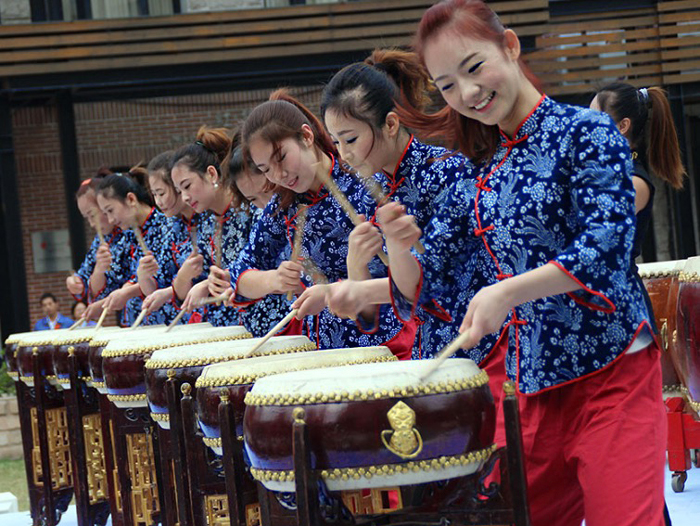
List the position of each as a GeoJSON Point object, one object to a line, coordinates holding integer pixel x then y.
{"type": "Point", "coordinates": [183, 229]}
{"type": "Point", "coordinates": [89, 283]}
{"type": "Point", "coordinates": [288, 144]}
{"type": "Point", "coordinates": [128, 205]}
{"type": "Point", "coordinates": [548, 216]}
{"type": "Point", "coordinates": [359, 109]}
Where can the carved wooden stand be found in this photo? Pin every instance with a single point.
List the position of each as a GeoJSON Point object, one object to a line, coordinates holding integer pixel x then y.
{"type": "Point", "coordinates": [462, 501]}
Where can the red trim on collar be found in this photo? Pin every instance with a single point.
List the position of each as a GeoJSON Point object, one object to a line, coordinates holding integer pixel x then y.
{"type": "Point", "coordinates": [522, 123]}
{"type": "Point", "coordinates": [403, 155]}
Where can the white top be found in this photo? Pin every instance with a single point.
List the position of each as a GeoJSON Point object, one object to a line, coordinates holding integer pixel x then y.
{"type": "Point", "coordinates": [213, 352]}
{"type": "Point", "coordinates": [248, 371]}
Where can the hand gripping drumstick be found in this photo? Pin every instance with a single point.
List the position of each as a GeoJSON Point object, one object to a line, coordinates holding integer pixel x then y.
{"type": "Point", "coordinates": [347, 207]}
{"type": "Point", "coordinates": [176, 319]}
{"type": "Point", "coordinates": [298, 239]}
{"type": "Point", "coordinates": [272, 332]}
{"type": "Point", "coordinates": [378, 195]}
{"type": "Point", "coordinates": [448, 351]}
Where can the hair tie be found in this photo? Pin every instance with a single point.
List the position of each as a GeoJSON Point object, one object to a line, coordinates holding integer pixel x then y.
{"type": "Point", "coordinates": [644, 95]}
{"type": "Point", "coordinates": [86, 182]}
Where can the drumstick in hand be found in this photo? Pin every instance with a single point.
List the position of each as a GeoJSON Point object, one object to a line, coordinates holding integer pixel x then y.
{"type": "Point", "coordinates": [98, 227]}
{"type": "Point", "coordinates": [443, 355]}
{"type": "Point", "coordinates": [77, 322]}
{"type": "Point", "coordinates": [139, 238]}
{"type": "Point", "coordinates": [298, 239]}
{"type": "Point", "coordinates": [139, 319]}
{"type": "Point", "coordinates": [272, 332]}
{"type": "Point", "coordinates": [347, 207]}
{"type": "Point", "coordinates": [375, 190]}
{"type": "Point", "coordinates": [102, 319]}
{"type": "Point", "coordinates": [193, 238]}
{"type": "Point", "coordinates": [216, 299]}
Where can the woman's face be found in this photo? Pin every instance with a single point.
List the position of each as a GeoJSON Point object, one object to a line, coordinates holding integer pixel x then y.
{"type": "Point", "coordinates": [79, 310]}
{"type": "Point", "coordinates": [292, 166]}
{"type": "Point", "coordinates": [119, 213]}
{"type": "Point", "coordinates": [251, 186]}
{"type": "Point", "coordinates": [477, 78]}
{"type": "Point", "coordinates": [197, 191]}
{"type": "Point", "coordinates": [362, 149]}
{"type": "Point", "coordinates": [166, 197]}
{"type": "Point", "coordinates": [87, 204]}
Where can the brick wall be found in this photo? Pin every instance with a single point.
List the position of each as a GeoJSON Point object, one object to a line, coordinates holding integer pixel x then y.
{"type": "Point", "coordinates": [108, 133]}
{"type": "Point", "coordinates": [10, 435]}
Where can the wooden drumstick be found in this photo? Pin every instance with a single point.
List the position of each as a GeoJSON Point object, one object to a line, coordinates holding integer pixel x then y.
{"type": "Point", "coordinates": [139, 238]}
{"type": "Point", "coordinates": [102, 319]}
{"type": "Point", "coordinates": [176, 320]}
{"type": "Point", "coordinates": [78, 322]}
{"type": "Point", "coordinates": [272, 332]}
{"type": "Point", "coordinates": [218, 236]}
{"type": "Point", "coordinates": [298, 239]}
{"type": "Point", "coordinates": [193, 238]}
{"type": "Point", "coordinates": [139, 319]}
{"type": "Point", "coordinates": [208, 301]}
{"type": "Point", "coordinates": [443, 355]}
{"type": "Point", "coordinates": [98, 227]}
{"type": "Point", "coordinates": [375, 190]}
{"type": "Point", "coordinates": [347, 207]}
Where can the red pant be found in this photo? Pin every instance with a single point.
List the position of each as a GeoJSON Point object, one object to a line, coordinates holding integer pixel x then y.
{"type": "Point", "coordinates": [596, 448]}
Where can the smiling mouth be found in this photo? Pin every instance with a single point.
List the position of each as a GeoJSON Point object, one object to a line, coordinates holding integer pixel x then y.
{"type": "Point", "coordinates": [484, 103]}
{"type": "Point", "coordinates": [292, 183]}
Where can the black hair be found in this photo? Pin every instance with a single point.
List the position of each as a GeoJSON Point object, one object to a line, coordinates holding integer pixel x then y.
{"type": "Point", "coordinates": [47, 295]}
{"type": "Point", "coordinates": [119, 185]}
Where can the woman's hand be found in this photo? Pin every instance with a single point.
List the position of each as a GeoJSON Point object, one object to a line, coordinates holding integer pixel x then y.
{"type": "Point", "coordinates": [94, 310]}
{"type": "Point", "coordinates": [486, 313]}
{"type": "Point", "coordinates": [195, 296]}
{"type": "Point", "coordinates": [192, 267]}
{"type": "Point", "coordinates": [103, 259]}
{"type": "Point", "coordinates": [345, 299]}
{"type": "Point", "coordinates": [75, 285]}
{"type": "Point", "coordinates": [116, 300]}
{"type": "Point", "coordinates": [148, 267]}
{"type": "Point", "coordinates": [311, 302]}
{"type": "Point", "coordinates": [219, 280]}
{"type": "Point", "coordinates": [400, 230]}
{"type": "Point", "coordinates": [155, 300]}
{"type": "Point", "coordinates": [363, 244]}
{"type": "Point", "coordinates": [287, 278]}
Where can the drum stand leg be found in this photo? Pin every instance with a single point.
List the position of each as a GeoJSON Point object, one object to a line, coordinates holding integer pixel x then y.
{"type": "Point", "coordinates": [76, 408]}
{"type": "Point", "coordinates": [114, 489]}
{"type": "Point", "coordinates": [305, 481]}
{"type": "Point", "coordinates": [515, 457]}
{"type": "Point", "coordinates": [195, 460]}
{"type": "Point", "coordinates": [233, 464]}
{"type": "Point", "coordinates": [26, 401]}
{"type": "Point", "coordinates": [178, 454]}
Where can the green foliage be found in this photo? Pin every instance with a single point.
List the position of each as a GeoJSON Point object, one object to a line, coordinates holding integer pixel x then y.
{"type": "Point", "coordinates": [7, 385]}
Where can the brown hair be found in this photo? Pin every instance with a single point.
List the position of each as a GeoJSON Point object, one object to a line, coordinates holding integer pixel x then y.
{"type": "Point", "coordinates": [233, 167]}
{"type": "Point", "coordinates": [210, 148]}
{"type": "Point", "coordinates": [278, 119]}
{"type": "Point", "coordinates": [474, 139]}
{"type": "Point", "coordinates": [652, 133]}
{"type": "Point", "coordinates": [160, 167]}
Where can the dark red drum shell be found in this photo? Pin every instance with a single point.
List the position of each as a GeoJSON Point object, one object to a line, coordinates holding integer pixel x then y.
{"type": "Point", "coordinates": [208, 399]}
{"type": "Point", "coordinates": [95, 362]}
{"type": "Point", "coordinates": [25, 359]}
{"type": "Point", "coordinates": [348, 434]}
{"type": "Point", "coordinates": [663, 293]}
{"type": "Point", "coordinates": [125, 374]}
{"type": "Point", "coordinates": [11, 358]}
{"type": "Point", "coordinates": [155, 384]}
{"type": "Point", "coordinates": [60, 359]}
{"type": "Point", "coordinates": [687, 353]}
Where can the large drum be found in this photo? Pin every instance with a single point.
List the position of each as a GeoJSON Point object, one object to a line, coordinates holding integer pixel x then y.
{"type": "Point", "coordinates": [661, 282]}
{"type": "Point", "coordinates": [123, 361]}
{"type": "Point", "coordinates": [78, 341]}
{"type": "Point", "coordinates": [186, 363]}
{"type": "Point", "coordinates": [41, 342]}
{"type": "Point", "coordinates": [101, 339]}
{"type": "Point", "coordinates": [373, 425]}
{"type": "Point", "coordinates": [11, 353]}
{"type": "Point", "coordinates": [688, 359]}
{"type": "Point", "coordinates": [237, 378]}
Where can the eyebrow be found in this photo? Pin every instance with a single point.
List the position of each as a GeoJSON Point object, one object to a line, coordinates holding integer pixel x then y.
{"type": "Point", "coordinates": [344, 132]}
{"type": "Point", "coordinates": [461, 64]}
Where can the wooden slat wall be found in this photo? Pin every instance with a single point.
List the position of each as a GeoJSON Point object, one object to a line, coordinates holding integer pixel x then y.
{"type": "Point", "coordinates": [654, 46]}
{"type": "Point", "coordinates": [95, 45]}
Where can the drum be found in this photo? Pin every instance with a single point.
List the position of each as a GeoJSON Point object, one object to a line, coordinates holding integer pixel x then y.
{"type": "Point", "coordinates": [237, 378]}
{"type": "Point", "coordinates": [11, 353]}
{"type": "Point", "coordinates": [123, 360]}
{"type": "Point", "coordinates": [78, 341]}
{"type": "Point", "coordinates": [372, 425]}
{"type": "Point", "coordinates": [661, 282]}
{"type": "Point", "coordinates": [688, 359]}
{"type": "Point", "coordinates": [43, 343]}
{"type": "Point", "coordinates": [102, 339]}
{"type": "Point", "coordinates": [188, 361]}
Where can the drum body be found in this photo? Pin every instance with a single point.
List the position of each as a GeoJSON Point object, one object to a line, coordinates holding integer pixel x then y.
{"type": "Point", "coordinates": [41, 342]}
{"type": "Point", "coordinates": [688, 339]}
{"type": "Point", "coordinates": [186, 363]}
{"type": "Point", "coordinates": [123, 362]}
{"type": "Point", "coordinates": [661, 282]}
{"type": "Point", "coordinates": [78, 342]}
{"type": "Point", "coordinates": [373, 425]}
{"type": "Point", "coordinates": [11, 354]}
{"type": "Point", "coordinates": [237, 378]}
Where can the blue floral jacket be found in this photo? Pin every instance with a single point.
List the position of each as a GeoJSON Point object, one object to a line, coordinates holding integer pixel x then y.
{"type": "Point", "coordinates": [325, 243]}
{"type": "Point", "coordinates": [116, 275]}
{"type": "Point", "coordinates": [560, 191]}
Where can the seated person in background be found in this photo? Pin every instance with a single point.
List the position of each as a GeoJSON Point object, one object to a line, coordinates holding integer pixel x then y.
{"type": "Point", "coordinates": [53, 318]}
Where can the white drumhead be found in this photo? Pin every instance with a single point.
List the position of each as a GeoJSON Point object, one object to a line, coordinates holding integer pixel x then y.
{"type": "Point", "coordinates": [377, 380]}
{"type": "Point", "coordinates": [214, 352]}
{"type": "Point", "coordinates": [81, 335]}
{"type": "Point", "coordinates": [103, 338]}
{"type": "Point", "coordinates": [250, 370]}
{"type": "Point", "coordinates": [691, 269]}
{"type": "Point", "coordinates": [659, 269]}
{"type": "Point", "coordinates": [16, 337]}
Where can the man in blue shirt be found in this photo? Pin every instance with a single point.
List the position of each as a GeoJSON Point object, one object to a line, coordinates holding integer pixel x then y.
{"type": "Point", "coordinates": [53, 318]}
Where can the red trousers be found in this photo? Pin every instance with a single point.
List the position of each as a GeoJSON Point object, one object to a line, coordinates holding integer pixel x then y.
{"type": "Point", "coordinates": [595, 448]}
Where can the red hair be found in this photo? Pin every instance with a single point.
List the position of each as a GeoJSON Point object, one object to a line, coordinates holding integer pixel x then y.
{"type": "Point", "coordinates": [474, 139]}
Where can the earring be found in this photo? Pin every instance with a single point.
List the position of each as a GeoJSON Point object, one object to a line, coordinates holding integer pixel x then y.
{"type": "Point", "coordinates": [216, 185]}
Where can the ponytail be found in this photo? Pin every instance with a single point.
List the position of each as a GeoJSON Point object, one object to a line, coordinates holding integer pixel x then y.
{"type": "Point", "coordinates": [210, 148]}
{"type": "Point", "coordinates": [120, 185]}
